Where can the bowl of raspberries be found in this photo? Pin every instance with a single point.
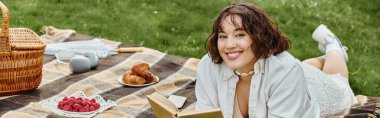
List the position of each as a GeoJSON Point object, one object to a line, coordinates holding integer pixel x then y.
{"type": "Point", "coordinates": [78, 105]}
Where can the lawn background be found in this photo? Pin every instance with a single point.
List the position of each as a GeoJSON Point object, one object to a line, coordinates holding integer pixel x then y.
{"type": "Point", "coordinates": [180, 27]}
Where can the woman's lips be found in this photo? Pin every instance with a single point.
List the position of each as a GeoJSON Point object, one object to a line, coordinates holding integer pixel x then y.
{"type": "Point", "coordinates": [233, 55]}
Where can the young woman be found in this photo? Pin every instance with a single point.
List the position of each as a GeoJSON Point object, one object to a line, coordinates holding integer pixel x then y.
{"type": "Point", "coordinates": [249, 73]}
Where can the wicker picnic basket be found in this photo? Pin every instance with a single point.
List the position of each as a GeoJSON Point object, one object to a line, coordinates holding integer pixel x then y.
{"type": "Point", "coordinates": [21, 56]}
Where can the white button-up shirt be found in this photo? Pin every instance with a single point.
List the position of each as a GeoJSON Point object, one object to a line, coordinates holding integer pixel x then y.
{"type": "Point", "coordinates": [278, 88]}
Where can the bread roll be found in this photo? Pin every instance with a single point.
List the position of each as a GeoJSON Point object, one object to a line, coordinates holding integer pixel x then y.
{"type": "Point", "coordinates": [130, 78]}
{"type": "Point", "coordinates": [142, 70]}
{"type": "Point", "coordinates": [139, 68]}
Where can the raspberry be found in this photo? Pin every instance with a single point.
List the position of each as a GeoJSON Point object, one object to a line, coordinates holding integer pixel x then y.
{"type": "Point", "coordinates": [71, 101]}
{"type": "Point", "coordinates": [87, 103]}
{"type": "Point", "coordinates": [80, 102]}
{"type": "Point", "coordinates": [65, 99]}
{"type": "Point", "coordinates": [65, 102]}
{"type": "Point", "coordinates": [87, 106]}
{"type": "Point", "coordinates": [84, 109]}
{"type": "Point", "coordinates": [92, 108]}
{"type": "Point", "coordinates": [77, 106]}
{"type": "Point", "coordinates": [86, 99]}
{"type": "Point", "coordinates": [96, 106]}
{"type": "Point", "coordinates": [60, 105]}
{"type": "Point", "coordinates": [67, 108]}
{"type": "Point", "coordinates": [93, 100]}
{"type": "Point", "coordinates": [79, 98]}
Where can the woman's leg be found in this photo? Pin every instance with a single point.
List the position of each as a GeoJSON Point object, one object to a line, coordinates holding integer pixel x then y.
{"type": "Point", "coordinates": [316, 62]}
{"type": "Point", "coordinates": [332, 63]}
{"type": "Point", "coordinates": [335, 53]}
{"type": "Point", "coordinates": [335, 63]}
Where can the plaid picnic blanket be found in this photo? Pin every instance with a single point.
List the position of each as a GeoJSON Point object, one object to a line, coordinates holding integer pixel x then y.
{"type": "Point", "coordinates": [177, 76]}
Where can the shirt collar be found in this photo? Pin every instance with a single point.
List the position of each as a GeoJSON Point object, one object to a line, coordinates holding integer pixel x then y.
{"type": "Point", "coordinates": [227, 72]}
{"type": "Point", "coordinates": [259, 66]}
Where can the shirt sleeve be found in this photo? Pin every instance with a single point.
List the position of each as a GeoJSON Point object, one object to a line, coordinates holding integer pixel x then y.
{"type": "Point", "coordinates": [205, 88]}
{"type": "Point", "coordinates": [289, 97]}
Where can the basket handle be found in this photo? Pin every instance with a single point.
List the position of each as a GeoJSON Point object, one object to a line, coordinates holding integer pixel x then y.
{"type": "Point", "coordinates": [4, 36]}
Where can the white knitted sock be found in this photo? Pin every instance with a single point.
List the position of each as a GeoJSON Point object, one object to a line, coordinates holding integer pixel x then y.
{"type": "Point", "coordinates": [334, 45]}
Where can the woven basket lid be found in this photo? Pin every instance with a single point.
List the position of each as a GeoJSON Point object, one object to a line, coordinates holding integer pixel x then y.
{"type": "Point", "coordinates": [23, 38]}
{"type": "Point", "coordinates": [17, 38]}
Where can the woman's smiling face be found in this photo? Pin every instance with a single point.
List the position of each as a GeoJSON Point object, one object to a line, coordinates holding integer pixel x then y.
{"type": "Point", "coordinates": [235, 45]}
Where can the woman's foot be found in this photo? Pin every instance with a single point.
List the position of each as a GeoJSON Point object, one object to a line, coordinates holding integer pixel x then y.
{"type": "Point", "coordinates": [328, 41]}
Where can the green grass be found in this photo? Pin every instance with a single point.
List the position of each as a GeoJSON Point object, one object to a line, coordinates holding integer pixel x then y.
{"type": "Point", "coordinates": [180, 27]}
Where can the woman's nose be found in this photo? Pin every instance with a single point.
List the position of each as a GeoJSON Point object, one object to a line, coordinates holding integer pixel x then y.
{"type": "Point", "coordinates": [230, 44]}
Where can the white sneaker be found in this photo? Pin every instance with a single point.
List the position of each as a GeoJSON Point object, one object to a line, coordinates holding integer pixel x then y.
{"type": "Point", "coordinates": [324, 36]}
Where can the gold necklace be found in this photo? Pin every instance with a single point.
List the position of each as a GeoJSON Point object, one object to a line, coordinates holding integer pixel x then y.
{"type": "Point", "coordinates": [243, 74]}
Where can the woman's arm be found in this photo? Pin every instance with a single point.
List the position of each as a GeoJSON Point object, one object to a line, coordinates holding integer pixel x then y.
{"type": "Point", "coordinates": [205, 88]}
{"type": "Point", "coordinates": [288, 98]}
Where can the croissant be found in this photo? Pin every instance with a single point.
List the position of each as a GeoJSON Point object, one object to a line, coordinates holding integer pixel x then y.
{"type": "Point", "coordinates": [129, 78]}
{"type": "Point", "coordinates": [142, 70]}
{"type": "Point", "coordinates": [139, 67]}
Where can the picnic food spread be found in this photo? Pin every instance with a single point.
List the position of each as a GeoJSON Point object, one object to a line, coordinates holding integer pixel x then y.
{"type": "Point", "coordinates": [139, 74]}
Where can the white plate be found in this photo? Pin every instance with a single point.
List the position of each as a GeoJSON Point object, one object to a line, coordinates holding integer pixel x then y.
{"type": "Point", "coordinates": [79, 113]}
{"type": "Point", "coordinates": [52, 104]}
{"type": "Point", "coordinates": [55, 105]}
{"type": "Point", "coordinates": [120, 80]}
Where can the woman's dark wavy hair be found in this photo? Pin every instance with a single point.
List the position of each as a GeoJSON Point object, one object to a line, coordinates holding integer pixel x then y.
{"type": "Point", "coordinates": [267, 38]}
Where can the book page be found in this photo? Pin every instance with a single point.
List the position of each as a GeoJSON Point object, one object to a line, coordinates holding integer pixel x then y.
{"type": "Point", "coordinates": [166, 101]}
{"type": "Point", "coordinates": [161, 106]}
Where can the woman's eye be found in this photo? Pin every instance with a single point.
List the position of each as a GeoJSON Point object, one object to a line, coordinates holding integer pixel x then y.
{"type": "Point", "coordinates": [222, 36]}
{"type": "Point", "coordinates": [240, 35]}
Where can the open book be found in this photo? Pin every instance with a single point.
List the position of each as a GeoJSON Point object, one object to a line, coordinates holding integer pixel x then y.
{"type": "Point", "coordinates": [163, 108]}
